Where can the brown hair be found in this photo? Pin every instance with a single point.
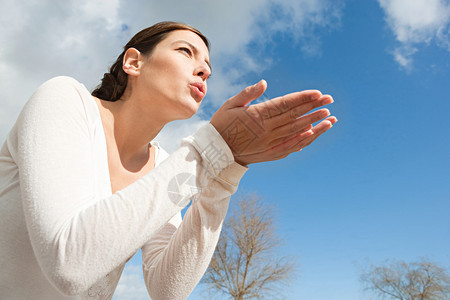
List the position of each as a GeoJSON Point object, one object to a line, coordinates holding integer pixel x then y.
{"type": "Point", "coordinates": [114, 83]}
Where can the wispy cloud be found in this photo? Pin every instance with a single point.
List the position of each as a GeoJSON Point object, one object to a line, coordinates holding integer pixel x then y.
{"type": "Point", "coordinates": [416, 22]}
{"type": "Point", "coordinates": [43, 39]}
{"type": "Point", "coordinates": [172, 134]}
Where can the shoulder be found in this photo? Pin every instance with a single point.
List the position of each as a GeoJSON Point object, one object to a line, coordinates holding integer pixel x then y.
{"type": "Point", "coordinates": [60, 101]}
{"type": "Point", "coordinates": [61, 81]}
{"type": "Point", "coordinates": [58, 94]}
{"type": "Point", "coordinates": [59, 86]}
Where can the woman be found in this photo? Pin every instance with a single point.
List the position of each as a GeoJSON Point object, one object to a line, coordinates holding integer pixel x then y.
{"type": "Point", "coordinates": [83, 185]}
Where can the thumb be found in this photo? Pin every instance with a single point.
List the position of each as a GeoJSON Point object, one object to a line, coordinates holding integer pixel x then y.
{"type": "Point", "coordinates": [248, 94]}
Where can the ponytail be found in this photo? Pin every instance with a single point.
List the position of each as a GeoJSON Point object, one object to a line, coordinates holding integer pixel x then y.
{"type": "Point", "coordinates": [113, 83]}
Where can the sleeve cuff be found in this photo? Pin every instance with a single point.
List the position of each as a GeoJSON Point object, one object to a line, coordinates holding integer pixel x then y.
{"type": "Point", "coordinates": [218, 158]}
{"type": "Point", "coordinates": [233, 174]}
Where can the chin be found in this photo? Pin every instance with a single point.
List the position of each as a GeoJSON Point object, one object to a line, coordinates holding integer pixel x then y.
{"type": "Point", "coordinates": [186, 113]}
{"type": "Point", "coordinates": [183, 109]}
{"type": "Point", "coordinates": [189, 109]}
{"type": "Point", "coordinates": [188, 116]}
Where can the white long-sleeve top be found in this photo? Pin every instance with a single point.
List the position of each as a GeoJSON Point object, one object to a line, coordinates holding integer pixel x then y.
{"type": "Point", "coordinates": [64, 235]}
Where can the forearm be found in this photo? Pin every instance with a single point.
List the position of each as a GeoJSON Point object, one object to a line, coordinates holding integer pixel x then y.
{"type": "Point", "coordinates": [173, 265]}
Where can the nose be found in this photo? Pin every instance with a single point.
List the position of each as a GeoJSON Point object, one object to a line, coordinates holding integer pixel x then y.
{"type": "Point", "coordinates": [203, 71]}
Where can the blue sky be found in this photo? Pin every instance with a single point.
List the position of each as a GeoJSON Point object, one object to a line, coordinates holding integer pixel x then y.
{"type": "Point", "coordinates": [376, 187]}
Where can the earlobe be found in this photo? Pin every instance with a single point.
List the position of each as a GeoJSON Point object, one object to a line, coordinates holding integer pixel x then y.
{"type": "Point", "coordinates": [132, 61]}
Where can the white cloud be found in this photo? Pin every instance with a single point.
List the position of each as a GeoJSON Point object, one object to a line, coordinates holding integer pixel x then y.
{"type": "Point", "coordinates": [170, 137]}
{"type": "Point", "coordinates": [417, 22]}
{"type": "Point", "coordinates": [43, 39]}
{"type": "Point", "coordinates": [403, 56]}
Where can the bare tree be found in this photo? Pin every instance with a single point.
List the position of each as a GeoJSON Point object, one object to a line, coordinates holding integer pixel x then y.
{"type": "Point", "coordinates": [422, 280]}
{"type": "Point", "coordinates": [245, 264]}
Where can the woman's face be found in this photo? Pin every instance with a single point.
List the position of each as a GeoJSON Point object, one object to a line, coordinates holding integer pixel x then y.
{"type": "Point", "coordinates": [174, 76]}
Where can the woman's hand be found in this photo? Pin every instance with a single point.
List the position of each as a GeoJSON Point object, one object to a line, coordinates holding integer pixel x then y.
{"type": "Point", "coordinates": [273, 129]}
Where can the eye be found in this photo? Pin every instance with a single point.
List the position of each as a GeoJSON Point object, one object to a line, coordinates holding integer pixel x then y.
{"type": "Point", "coordinates": [186, 50]}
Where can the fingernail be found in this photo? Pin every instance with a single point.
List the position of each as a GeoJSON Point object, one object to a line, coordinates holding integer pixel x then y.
{"type": "Point", "coordinates": [328, 99]}
{"type": "Point", "coordinates": [324, 113]}
{"type": "Point", "coordinates": [257, 83]}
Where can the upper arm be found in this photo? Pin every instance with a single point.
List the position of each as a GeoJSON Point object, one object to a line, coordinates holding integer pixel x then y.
{"type": "Point", "coordinates": [53, 156]}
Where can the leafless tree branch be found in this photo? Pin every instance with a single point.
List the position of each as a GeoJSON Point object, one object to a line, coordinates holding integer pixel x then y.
{"type": "Point", "coordinates": [422, 280]}
{"type": "Point", "coordinates": [245, 264]}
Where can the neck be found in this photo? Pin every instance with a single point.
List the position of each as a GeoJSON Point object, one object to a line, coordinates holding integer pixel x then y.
{"type": "Point", "coordinates": [131, 128]}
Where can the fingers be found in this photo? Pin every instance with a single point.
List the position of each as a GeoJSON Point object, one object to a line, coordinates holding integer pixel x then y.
{"type": "Point", "coordinates": [304, 133]}
{"type": "Point", "coordinates": [294, 113]}
{"type": "Point", "coordinates": [287, 102]}
{"type": "Point", "coordinates": [318, 130]}
{"type": "Point", "coordinates": [248, 94]}
{"type": "Point", "coordinates": [298, 125]}
{"type": "Point", "coordinates": [332, 119]}
{"type": "Point", "coordinates": [273, 129]}
{"type": "Point", "coordinates": [297, 143]}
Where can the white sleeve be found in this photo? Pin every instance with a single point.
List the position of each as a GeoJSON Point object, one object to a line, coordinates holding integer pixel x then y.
{"type": "Point", "coordinates": [76, 238]}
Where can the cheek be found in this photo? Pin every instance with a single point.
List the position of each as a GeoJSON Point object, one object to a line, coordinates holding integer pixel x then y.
{"type": "Point", "coordinates": [167, 76]}
{"type": "Point", "coordinates": [172, 74]}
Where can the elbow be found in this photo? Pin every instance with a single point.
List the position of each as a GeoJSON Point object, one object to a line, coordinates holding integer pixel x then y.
{"type": "Point", "coordinates": [166, 287]}
{"type": "Point", "coordinates": [157, 290]}
{"type": "Point", "coordinates": [160, 295]}
{"type": "Point", "coordinates": [66, 267]}
{"type": "Point", "coordinates": [164, 292]}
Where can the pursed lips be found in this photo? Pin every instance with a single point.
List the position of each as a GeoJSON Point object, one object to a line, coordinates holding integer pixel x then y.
{"type": "Point", "coordinates": [199, 88]}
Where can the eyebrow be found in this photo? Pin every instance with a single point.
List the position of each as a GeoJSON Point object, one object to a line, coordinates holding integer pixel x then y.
{"type": "Point", "coordinates": [195, 50]}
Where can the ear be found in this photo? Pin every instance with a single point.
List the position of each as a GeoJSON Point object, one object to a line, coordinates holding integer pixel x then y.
{"type": "Point", "coordinates": [132, 62]}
